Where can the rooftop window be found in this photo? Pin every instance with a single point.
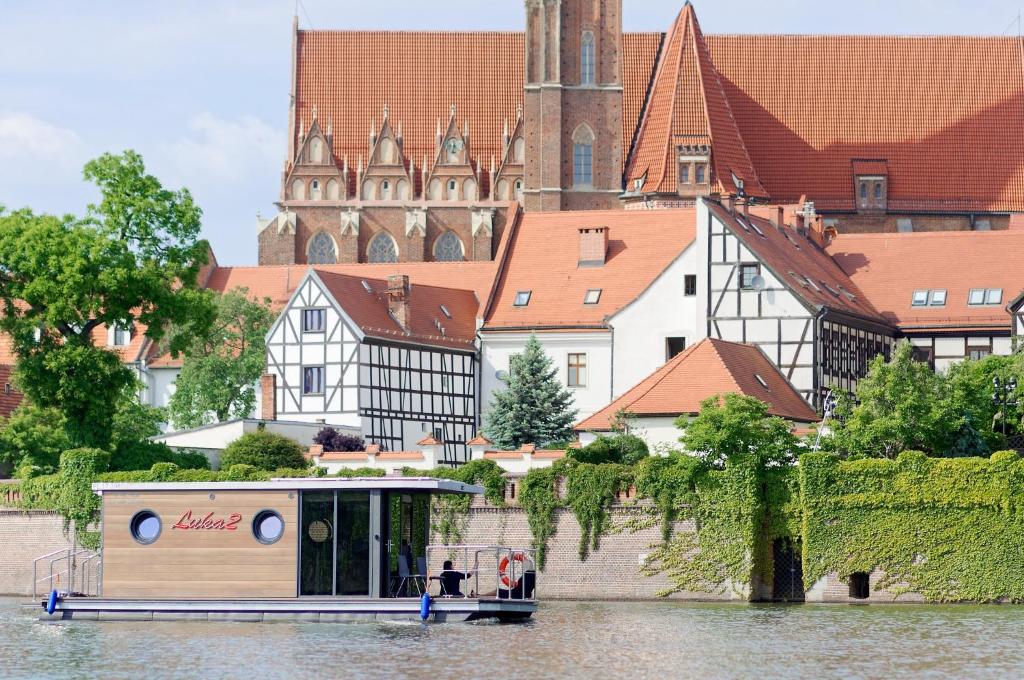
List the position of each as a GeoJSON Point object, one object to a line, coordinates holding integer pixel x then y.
{"type": "Point", "coordinates": [985, 296]}
{"type": "Point", "coordinates": [928, 298]}
{"type": "Point", "coordinates": [761, 380]}
{"type": "Point", "coordinates": [830, 289]}
{"type": "Point", "coordinates": [938, 298]}
{"type": "Point", "coordinates": [920, 298]}
{"type": "Point", "coordinates": [522, 298]}
{"type": "Point", "coordinates": [592, 296]}
{"type": "Point", "coordinates": [366, 286]}
{"type": "Point", "coordinates": [444, 310]}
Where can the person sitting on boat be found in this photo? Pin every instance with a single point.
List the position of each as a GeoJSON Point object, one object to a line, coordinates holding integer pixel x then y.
{"type": "Point", "coordinates": [451, 580]}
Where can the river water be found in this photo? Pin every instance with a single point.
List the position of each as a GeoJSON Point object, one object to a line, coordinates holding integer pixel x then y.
{"type": "Point", "coordinates": [565, 639]}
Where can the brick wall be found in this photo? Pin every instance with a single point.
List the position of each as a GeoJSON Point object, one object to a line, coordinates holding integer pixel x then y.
{"type": "Point", "coordinates": [833, 589]}
{"type": "Point", "coordinates": [26, 535]}
{"type": "Point", "coordinates": [872, 224]}
{"type": "Point", "coordinates": [610, 572]}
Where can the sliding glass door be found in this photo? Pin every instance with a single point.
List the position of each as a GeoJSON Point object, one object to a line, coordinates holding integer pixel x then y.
{"type": "Point", "coordinates": [335, 548]}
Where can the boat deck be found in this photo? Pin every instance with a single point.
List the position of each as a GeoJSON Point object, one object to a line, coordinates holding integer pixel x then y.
{"type": "Point", "coordinates": [311, 610]}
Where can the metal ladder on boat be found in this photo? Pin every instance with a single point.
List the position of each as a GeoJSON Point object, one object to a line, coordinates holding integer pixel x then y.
{"type": "Point", "coordinates": [81, 569]}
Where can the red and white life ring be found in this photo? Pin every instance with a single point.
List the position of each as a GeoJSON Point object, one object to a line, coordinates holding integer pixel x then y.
{"type": "Point", "coordinates": [503, 569]}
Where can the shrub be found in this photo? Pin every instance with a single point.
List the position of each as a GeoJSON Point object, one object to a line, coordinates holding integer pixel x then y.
{"type": "Point", "coordinates": [335, 442]}
{"type": "Point", "coordinates": [625, 449]}
{"type": "Point", "coordinates": [264, 451]}
{"type": "Point", "coordinates": [145, 454]}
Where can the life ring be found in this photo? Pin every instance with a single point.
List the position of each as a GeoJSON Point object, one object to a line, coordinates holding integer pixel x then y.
{"type": "Point", "coordinates": [503, 569]}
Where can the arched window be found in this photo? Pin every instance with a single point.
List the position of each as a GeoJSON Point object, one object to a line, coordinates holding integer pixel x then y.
{"type": "Point", "coordinates": [402, 190]}
{"type": "Point", "coordinates": [519, 190]}
{"type": "Point", "coordinates": [316, 150]}
{"type": "Point", "coordinates": [387, 151]}
{"type": "Point", "coordinates": [583, 157]}
{"type": "Point", "coordinates": [382, 249]}
{"type": "Point", "coordinates": [298, 190]}
{"type": "Point", "coordinates": [587, 58]}
{"type": "Point", "coordinates": [434, 192]}
{"type": "Point", "coordinates": [332, 190]}
{"type": "Point", "coordinates": [385, 190]}
{"type": "Point", "coordinates": [314, 190]}
{"type": "Point", "coordinates": [469, 190]}
{"type": "Point", "coordinates": [878, 191]}
{"type": "Point", "coordinates": [322, 250]}
{"type": "Point", "coordinates": [369, 189]}
{"type": "Point", "coordinates": [863, 190]}
{"type": "Point", "coordinates": [448, 248]}
{"type": "Point", "coordinates": [453, 190]}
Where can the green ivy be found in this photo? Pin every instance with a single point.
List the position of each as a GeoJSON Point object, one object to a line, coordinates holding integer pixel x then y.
{"type": "Point", "coordinates": [589, 491]}
{"type": "Point", "coordinates": [451, 511]}
{"type": "Point", "coordinates": [538, 497]}
{"type": "Point", "coordinates": [950, 529]}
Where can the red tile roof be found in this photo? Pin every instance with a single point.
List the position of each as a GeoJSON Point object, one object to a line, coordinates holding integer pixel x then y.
{"type": "Point", "coordinates": [687, 105]}
{"type": "Point", "coordinates": [794, 259]}
{"type": "Point", "coordinates": [703, 370]}
{"type": "Point", "coordinates": [543, 258]}
{"type": "Point", "coordinates": [888, 268]}
{"type": "Point", "coordinates": [351, 75]}
{"type": "Point", "coordinates": [10, 398]}
{"type": "Point", "coordinates": [369, 309]}
{"type": "Point", "coordinates": [942, 111]}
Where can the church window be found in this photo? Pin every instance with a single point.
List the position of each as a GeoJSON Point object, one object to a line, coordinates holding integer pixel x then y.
{"type": "Point", "coordinates": [382, 249]}
{"type": "Point", "coordinates": [369, 189]}
{"type": "Point", "coordinates": [385, 190]}
{"type": "Point", "coordinates": [587, 58]}
{"type": "Point", "coordinates": [314, 190]}
{"type": "Point", "coordinates": [519, 190]}
{"type": "Point", "coordinates": [402, 190]}
{"type": "Point", "coordinates": [316, 150]}
{"type": "Point", "coordinates": [448, 248]}
{"type": "Point", "coordinates": [453, 190]}
{"type": "Point", "coordinates": [322, 250]}
{"type": "Point", "coordinates": [298, 190]}
{"type": "Point", "coordinates": [583, 157]}
{"type": "Point", "coordinates": [434, 192]}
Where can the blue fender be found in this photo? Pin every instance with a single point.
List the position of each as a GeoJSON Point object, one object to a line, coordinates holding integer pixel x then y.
{"type": "Point", "coordinates": [51, 604]}
{"type": "Point", "coordinates": [425, 606]}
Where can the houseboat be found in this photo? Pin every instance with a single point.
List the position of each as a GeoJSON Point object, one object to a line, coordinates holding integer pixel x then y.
{"type": "Point", "coordinates": [309, 549]}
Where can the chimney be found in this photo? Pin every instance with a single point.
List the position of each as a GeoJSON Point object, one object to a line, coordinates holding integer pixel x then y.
{"type": "Point", "coordinates": [398, 299]}
{"type": "Point", "coordinates": [817, 232]}
{"type": "Point", "coordinates": [593, 246]}
{"type": "Point", "coordinates": [268, 396]}
{"type": "Point", "coordinates": [780, 217]}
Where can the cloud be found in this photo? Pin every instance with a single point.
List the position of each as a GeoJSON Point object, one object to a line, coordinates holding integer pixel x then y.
{"type": "Point", "coordinates": [221, 151]}
{"type": "Point", "coordinates": [24, 137]}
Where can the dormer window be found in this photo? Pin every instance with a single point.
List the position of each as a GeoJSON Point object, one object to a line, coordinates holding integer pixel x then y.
{"type": "Point", "coordinates": [522, 298]}
{"type": "Point", "coordinates": [870, 178]}
{"type": "Point", "coordinates": [700, 170]}
{"type": "Point", "coordinates": [684, 174]}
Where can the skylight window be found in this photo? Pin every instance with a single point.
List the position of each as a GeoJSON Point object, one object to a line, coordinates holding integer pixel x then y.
{"type": "Point", "coordinates": [444, 310]}
{"type": "Point", "coordinates": [366, 286]}
{"type": "Point", "coordinates": [761, 380]}
{"type": "Point", "coordinates": [592, 297]}
{"type": "Point", "coordinates": [938, 298]}
{"type": "Point", "coordinates": [920, 298]}
{"type": "Point", "coordinates": [757, 229]}
{"type": "Point", "coordinates": [522, 298]}
{"type": "Point", "coordinates": [830, 289]}
{"type": "Point", "coordinates": [813, 284]}
{"type": "Point", "coordinates": [985, 296]}
{"type": "Point", "coordinates": [800, 279]}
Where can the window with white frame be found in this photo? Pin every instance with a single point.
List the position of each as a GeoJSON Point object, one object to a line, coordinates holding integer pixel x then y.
{"type": "Point", "coordinates": [313, 380]}
{"type": "Point", "coordinates": [592, 296]}
{"type": "Point", "coordinates": [313, 320]}
{"type": "Point", "coordinates": [583, 157]}
{"type": "Point", "coordinates": [522, 298]}
{"type": "Point", "coordinates": [120, 336]}
{"type": "Point", "coordinates": [587, 58]}
{"type": "Point", "coordinates": [985, 296]}
{"type": "Point", "coordinates": [577, 370]}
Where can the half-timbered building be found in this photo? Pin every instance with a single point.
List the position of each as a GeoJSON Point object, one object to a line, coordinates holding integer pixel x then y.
{"type": "Point", "coordinates": [397, 360]}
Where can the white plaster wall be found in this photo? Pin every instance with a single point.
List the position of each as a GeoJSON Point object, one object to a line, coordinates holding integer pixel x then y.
{"type": "Point", "coordinates": [662, 311]}
{"type": "Point", "coordinates": [659, 433]}
{"type": "Point", "coordinates": [497, 349]}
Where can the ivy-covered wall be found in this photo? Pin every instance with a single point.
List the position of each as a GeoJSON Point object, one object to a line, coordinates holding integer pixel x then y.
{"type": "Point", "coordinates": [951, 529]}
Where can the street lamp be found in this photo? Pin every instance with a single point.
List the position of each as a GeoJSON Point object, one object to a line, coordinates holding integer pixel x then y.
{"type": "Point", "coordinates": [828, 408]}
{"type": "Point", "coordinates": [1004, 395]}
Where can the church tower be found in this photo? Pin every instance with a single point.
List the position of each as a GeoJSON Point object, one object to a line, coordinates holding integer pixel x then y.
{"type": "Point", "coordinates": [573, 104]}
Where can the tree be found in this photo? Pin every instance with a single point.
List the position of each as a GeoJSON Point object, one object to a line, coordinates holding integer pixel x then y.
{"type": "Point", "coordinates": [133, 259]}
{"type": "Point", "coordinates": [969, 398]}
{"type": "Point", "coordinates": [534, 408]}
{"type": "Point", "coordinates": [735, 428]}
{"type": "Point", "coordinates": [32, 440]}
{"type": "Point", "coordinates": [625, 449]}
{"type": "Point", "coordinates": [263, 450]}
{"type": "Point", "coordinates": [222, 365]}
{"type": "Point", "coordinates": [335, 442]}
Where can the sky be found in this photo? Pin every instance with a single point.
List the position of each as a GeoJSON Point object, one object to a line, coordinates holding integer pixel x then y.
{"type": "Point", "coordinates": [200, 87]}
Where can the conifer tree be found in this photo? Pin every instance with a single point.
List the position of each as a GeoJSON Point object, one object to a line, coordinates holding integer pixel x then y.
{"type": "Point", "coordinates": [534, 408]}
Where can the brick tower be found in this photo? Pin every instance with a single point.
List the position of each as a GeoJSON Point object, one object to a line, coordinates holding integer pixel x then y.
{"type": "Point", "coordinates": [573, 104]}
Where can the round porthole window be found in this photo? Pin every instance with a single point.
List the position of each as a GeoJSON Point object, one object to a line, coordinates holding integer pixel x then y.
{"type": "Point", "coordinates": [267, 526]}
{"type": "Point", "coordinates": [145, 526]}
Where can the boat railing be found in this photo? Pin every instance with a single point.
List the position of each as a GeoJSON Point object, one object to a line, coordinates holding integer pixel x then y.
{"type": "Point", "coordinates": [504, 572]}
{"type": "Point", "coordinates": [80, 568]}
